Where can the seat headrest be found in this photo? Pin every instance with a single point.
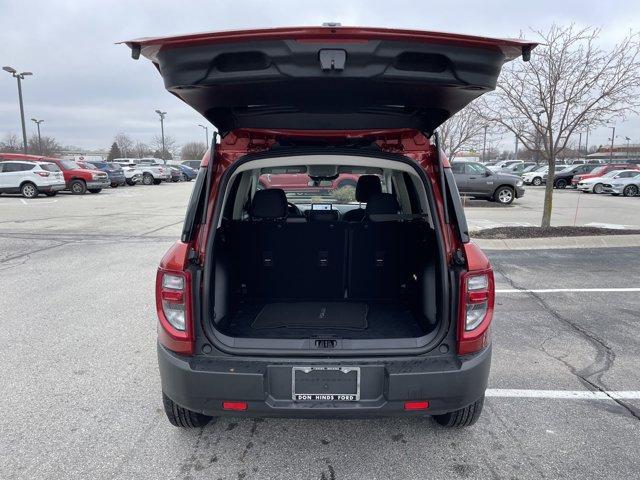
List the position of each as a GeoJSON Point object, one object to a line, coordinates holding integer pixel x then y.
{"type": "Point", "coordinates": [367, 185]}
{"type": "Point", "coordinates": [269, 204]}
{"type": "Point", "coordinates": [382, 204]}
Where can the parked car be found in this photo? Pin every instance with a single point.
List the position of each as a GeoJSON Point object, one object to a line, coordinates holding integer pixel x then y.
{"type": "Point", "coordinates": [132, 173]}
{"type": "Point", "coordinates": [518, 168]}
{"type": "Point", "coordinates": [30, 178]}
{"type": "Point", "coordinates": [562, 179]}
{"type": "Point", "coordinates": [187, 173]}
{"type": "Point", "coordinates": [227, 343]}
{"type": "Point", "coordinates": [535, 176]}
{"type": "Point", "coordinates": [297, 182]}
{"type": "Point", "coordinates": [113, 170]}
{"type": "Point", "coordinates": [596, 184]}
{"type": "Point", "coordinates": [503, 165]}
{"type": "Point", "coordinates": [78, 180]}
{"type": "Point", "coordinates": [176, 173]}
{"type": "Point", "coordinates": [600, 170]}
{"type": "Point", "coordinates": [629, 186]}
{"type": "Point", "coordinates": [153, 173]}
{"type": "Point", "coordinates": [195, 164]}
{"type": "Point", "coordinates": [476, 180]}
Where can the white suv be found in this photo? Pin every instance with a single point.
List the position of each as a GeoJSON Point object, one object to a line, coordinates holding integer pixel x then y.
{"type": "Point", "coordinates": [30, 178]}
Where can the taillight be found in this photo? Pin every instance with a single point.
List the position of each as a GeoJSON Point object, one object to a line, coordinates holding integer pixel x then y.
{"type": "Point", "coordinates": [173, 293]}
{"type": "Point", "coordinates": [477, 295]}
{"type": "Point", "coordinates": [42, 174]}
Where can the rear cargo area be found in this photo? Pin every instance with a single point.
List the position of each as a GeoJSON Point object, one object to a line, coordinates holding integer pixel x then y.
{"type": "Point", "coordinates": [317, 279]}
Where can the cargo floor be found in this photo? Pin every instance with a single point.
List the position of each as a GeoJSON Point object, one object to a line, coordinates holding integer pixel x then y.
{"type": "Point", "coordinates": [358, 319]}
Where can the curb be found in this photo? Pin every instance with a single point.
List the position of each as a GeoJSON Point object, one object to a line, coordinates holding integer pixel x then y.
{"type": "Point", "coordinates": [553, 243]}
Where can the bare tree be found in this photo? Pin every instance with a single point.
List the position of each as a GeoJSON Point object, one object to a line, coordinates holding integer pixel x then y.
{"type": "Point", "coordinates": [193, 151]}
{"type": "Point", "coordinates": [125, 144]}
{"type": "Point", "coordinates": [46, 146]}
{"type": "Point", "coordinates": [170, 146]}
{"type": "Point", "coordinates": [463, 131]}
{"type": "Point", "coordinates": [10, 144]}
{"type": "Point", "coordinates": [141, 149]}
{"type": "Point", "coordinates": [570, 83]}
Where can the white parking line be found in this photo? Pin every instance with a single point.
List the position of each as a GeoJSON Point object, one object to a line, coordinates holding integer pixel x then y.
{"type": "Point", "coordinates": [564, 290]}
{"type": "Point", "coordinates": [563, 394]}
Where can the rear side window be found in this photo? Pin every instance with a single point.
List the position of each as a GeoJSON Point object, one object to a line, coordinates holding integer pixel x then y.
{"type": "Point", "coordinates": [49, 167]}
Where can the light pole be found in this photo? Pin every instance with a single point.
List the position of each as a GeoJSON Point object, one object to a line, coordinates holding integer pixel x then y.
{"type": "Point", "coordinates": [206, 133]}
{"type": "Point", "coordinates": [516, 154]}
{"type": "Point", "coordinates": [628, 140]}
{"type": "Point", "coordinates": [586, 144]}
{"type": "Point", "coordinates": [38, 122]}
{"type": "Point", "coordinates": [162, 115]}
{"type": "Point", "coordinates": [20, 76]}
{"type": "Point", "coordinates": [579, 144]}
{"type": "Point", "coordinates": [484, 144]}
{"type": "Point", "coordinates": [613, 135]}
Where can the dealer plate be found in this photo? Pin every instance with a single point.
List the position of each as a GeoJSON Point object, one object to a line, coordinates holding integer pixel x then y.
{"type": "Point", "coordinates": [325, 384]}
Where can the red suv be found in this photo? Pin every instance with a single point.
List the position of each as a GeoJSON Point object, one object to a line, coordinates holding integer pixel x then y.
{"type": "Point", "coordinates": [269, 306]}
{"type": "Point", "coordinates": [77, 178]}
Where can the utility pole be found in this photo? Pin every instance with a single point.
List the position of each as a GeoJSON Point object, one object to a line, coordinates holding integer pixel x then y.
{"type": "Point", "coordinates": [206, 133]}
{"type": "Point", "coordinates": [162, 115]}
{"type": "Point", "coordinates": [20, 76]}
{"type": "Point", "coordinates": [628, 140]}
{"type": "Point", "coordinates": [484, 144]}
{"type": "Point", "coordinates": [38, 122]}
{"type": "Point", "coordinates": [516, 154]}
{"type": "Point", "coordinates": [613, 135]}
{"type": "Point", "coordinates": [586, 143]}
{"type": "Point", "coordinates": [579, 144]}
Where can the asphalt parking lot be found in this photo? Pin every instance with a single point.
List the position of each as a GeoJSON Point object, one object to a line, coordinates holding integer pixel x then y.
{"type": "Point", "coordinates": [569, 207]}
{"type": "Point", "coordinates": [80, 387]}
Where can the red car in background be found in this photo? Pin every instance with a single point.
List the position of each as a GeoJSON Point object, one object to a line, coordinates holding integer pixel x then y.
{"type": "Point", "coordinates": [300, 182]}
{"type": "Point", "coordinates": [598, 172]}
{"type": "Point", "coordinates": [77, 179]}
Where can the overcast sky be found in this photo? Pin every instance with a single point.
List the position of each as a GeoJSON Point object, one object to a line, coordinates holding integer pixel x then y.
{"type": "Point", "coordinates": [87, 89]}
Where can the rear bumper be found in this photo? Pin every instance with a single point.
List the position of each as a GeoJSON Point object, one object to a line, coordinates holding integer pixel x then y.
{"type": "Point", "coordinates": [201, 384]}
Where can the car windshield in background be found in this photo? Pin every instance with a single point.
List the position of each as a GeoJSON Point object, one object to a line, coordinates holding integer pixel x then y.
{"type": "Point", "coordinates": [598, 170]}
{"type": "Point", "coordinates": [49, 167]}
{"type": "Point", "coordinates": [69, 164]}
{"type": "Point", "coordinates": [301, 189]}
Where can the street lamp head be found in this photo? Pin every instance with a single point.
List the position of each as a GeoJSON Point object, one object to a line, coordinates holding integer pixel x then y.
{"type": "Point", "coordinates": [24, 74]}
{"type": "Point", "coordinates": [11, 70]}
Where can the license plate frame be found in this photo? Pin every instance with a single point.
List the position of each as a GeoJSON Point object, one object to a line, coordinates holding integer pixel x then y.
{"type": "Point", "coordinates": [326, 396]}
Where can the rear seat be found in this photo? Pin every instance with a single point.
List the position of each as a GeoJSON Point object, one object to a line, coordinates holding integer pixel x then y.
{"type": "Point", "coordinates": [323, 258]}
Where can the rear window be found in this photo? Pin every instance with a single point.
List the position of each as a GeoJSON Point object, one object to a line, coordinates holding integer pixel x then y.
{"type": "Point", "coordinates": [302, 189]}
{"type": "Point", "coordinates": [49, 167]}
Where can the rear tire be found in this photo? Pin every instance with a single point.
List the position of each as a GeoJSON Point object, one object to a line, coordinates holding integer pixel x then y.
{"type": "Point", "coordinates": [536, 182]}
{"type": "Point", "coordinates": [465, 417]}
{"type": "Point", "coordinates": [95, 190]}
{"type": "Point", "coordinates": [50, 194]}
{"type": "Point", "coordinates": [147, 179]}
{"type": "Point", "coordinates": [561, 184]}
{"type": "Point", "coordinates": [181, 417]}
{"type": "Point", "coordinates": [183, 178]}
{"type": "Point", "coordinates": [29, 190]}
{"type": "Point", "coordinates": [78, 187]}
{"type": "Point", "coordinates": [630, 191]}
{"type": "Point", "coordinates": [157, 182]}
{"type": "Point", "coordinates": [131, 183]}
